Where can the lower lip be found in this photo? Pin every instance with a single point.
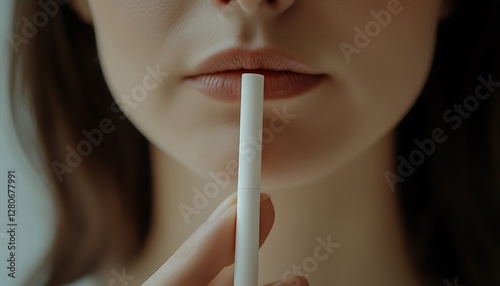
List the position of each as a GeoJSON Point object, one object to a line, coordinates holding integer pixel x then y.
{"type": "Point", "coordinates": [226, 86]}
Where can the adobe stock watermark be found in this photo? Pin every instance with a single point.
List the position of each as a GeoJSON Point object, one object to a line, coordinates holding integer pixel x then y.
{"type": "Point", "coordinates": [449, 283]}
{"type": "Point", "coordinates": [321, 253]}
{"type": "Point", "coordinates": [221, 180]}
{"type": "Point", "coordinates": [120, 278]}
{"type": "Point", "coordinates": [95, 137]}
{"type": "Point", "coordinates": [454, 116]}
{"type": "Point", "coordinates": [371, 30]}
{"type": "Point", "coordinates": [29, 27]}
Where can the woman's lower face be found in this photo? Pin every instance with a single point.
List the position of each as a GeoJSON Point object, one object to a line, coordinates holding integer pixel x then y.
{"type": "Point", "coordinates": [374, 57]}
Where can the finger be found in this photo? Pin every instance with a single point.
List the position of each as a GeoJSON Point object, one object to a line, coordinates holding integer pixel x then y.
{"type": "Point", "coordinates": [226, 276]}
{"type": "Point", "coordinates": [209, 249]}
{"type": "Point", "coordinates": [266, 220]}
{"type": "Point", "coordinates": [294, 281]}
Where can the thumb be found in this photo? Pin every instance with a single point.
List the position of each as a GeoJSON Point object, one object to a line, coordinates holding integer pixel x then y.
{"type": "Point", "coordinates": [210, 248]}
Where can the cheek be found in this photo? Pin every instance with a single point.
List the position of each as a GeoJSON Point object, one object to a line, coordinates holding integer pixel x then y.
{"type": "Point", "coordinates": [138, 45]}
{"type": "Point", "coordinates": [367, 97]}
{"type": "Point", "coordinates": [131, 37]}
{"type": "Point", "coordinates": [141, 46]}
{"type": "Point", "coordinates": [388, 74]}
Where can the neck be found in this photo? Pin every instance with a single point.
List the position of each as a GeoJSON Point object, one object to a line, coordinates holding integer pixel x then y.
{"type": "Point", "coordinates": [344, 229]}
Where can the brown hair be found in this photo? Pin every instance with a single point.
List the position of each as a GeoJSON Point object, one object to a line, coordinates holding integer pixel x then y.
{"type": "Point", "coordinates": [451, 203]}
{"type": "Point", "coordinates": [103, 205]}
{"type": "Point", "coordinates": [103, 200]}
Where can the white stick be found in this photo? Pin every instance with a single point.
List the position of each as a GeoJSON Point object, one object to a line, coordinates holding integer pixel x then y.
{"type": "Point", "coordinates": [246, 266]}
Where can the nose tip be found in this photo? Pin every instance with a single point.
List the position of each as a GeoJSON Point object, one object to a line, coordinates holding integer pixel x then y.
{"type": "Point", "coordinates": [253, 6]}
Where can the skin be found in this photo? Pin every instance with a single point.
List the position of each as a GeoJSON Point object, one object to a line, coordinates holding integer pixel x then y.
{"type": "Point", "coordinates": [324, 170]}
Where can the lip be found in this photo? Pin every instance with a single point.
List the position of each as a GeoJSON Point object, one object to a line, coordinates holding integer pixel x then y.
{"type": "Point", "coordinates": [219, 76]}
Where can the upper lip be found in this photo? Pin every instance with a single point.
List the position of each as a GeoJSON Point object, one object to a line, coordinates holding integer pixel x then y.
{"type": "Point", "coordinates": [242, 59]}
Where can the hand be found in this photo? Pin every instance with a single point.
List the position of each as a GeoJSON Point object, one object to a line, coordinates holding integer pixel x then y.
{"type": "Point", "coordinates": [202, 259]}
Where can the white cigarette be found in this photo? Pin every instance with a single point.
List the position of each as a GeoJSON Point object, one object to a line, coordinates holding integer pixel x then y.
{"type": "Point", "coordinates": [246, 266]}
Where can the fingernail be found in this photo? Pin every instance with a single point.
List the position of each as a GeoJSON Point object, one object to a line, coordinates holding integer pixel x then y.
{"type": "Point", "coordinates": [221, 208]}
{"type": "Point", "coordinates": [264, 197]}
{"type": "Point", "coordinates": [229, 202]}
